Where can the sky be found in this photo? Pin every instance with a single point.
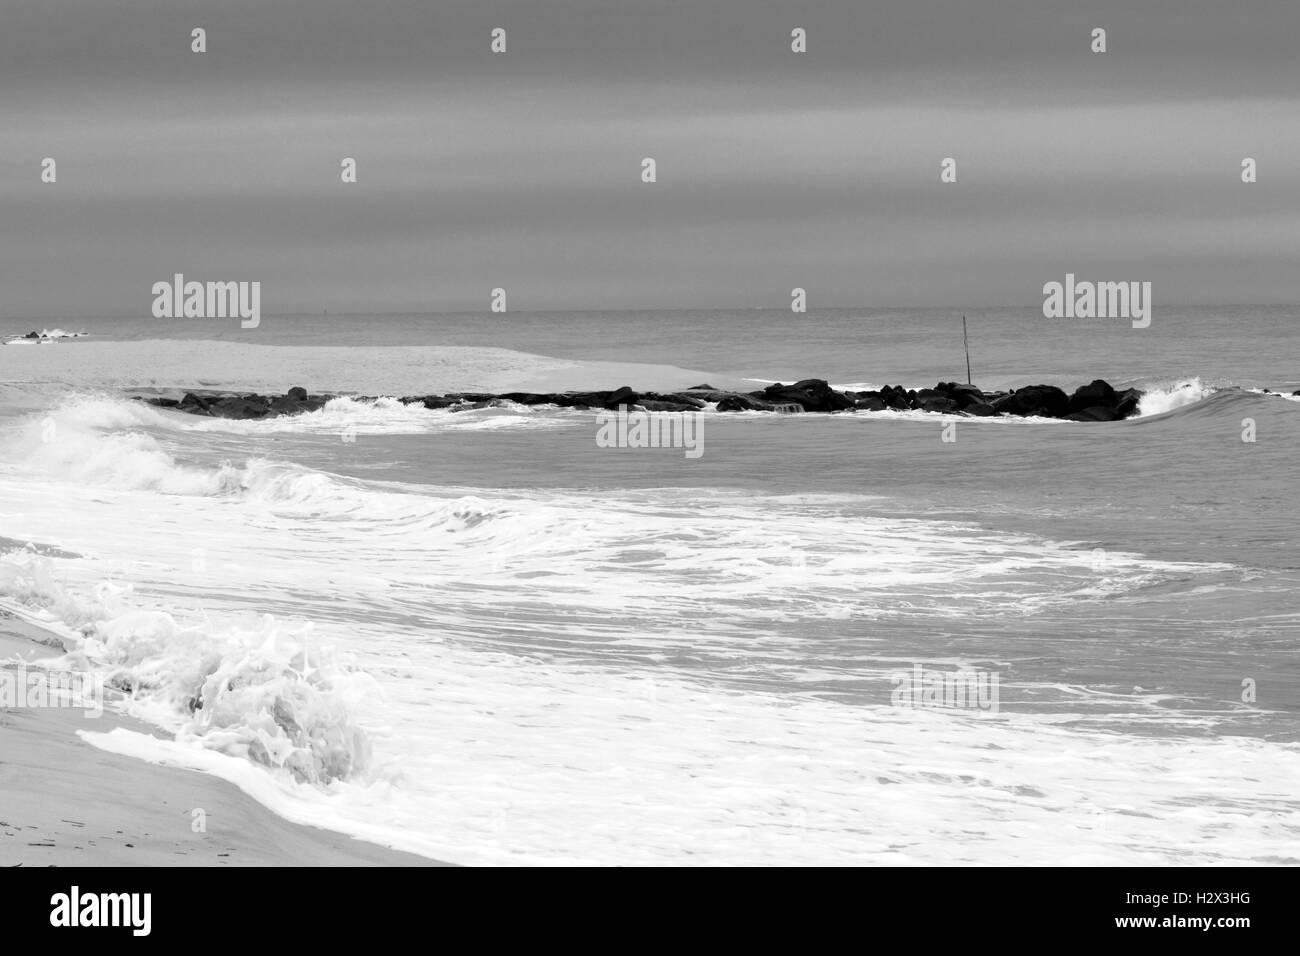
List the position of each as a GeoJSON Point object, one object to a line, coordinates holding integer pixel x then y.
{"type": "Point", "coordinates": [522, 170]}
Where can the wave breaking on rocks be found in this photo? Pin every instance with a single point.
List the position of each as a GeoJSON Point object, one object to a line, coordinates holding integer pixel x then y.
{"type": "Point", "coordinates": [1097, 401]}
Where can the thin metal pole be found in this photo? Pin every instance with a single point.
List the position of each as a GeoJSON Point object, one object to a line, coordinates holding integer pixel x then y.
{"type": "Point", "coordinates": [966, 342]}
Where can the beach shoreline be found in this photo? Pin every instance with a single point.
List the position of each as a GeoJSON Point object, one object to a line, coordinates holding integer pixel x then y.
{"type": "Point", "coordinates": [64, 802]}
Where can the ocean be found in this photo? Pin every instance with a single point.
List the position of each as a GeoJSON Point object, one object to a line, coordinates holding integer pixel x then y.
{"type": "Point", "coordinates": [480, 636]}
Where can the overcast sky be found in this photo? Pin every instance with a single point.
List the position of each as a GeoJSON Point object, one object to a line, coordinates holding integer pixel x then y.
{"type": "Point", "coordinates": [522, 169]}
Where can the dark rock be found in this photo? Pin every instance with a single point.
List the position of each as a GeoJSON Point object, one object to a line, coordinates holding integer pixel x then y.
{"type": "Point", "coordinates": [680, 398]}
{"type": "Point", "coordinates": [963, 395]}
{"type": "Point", "coordinates": [788, 394]}
{"type": "Point", "coordinates": [1098, 413]}
{"type": "Point", "coordinates": [651, 405]}
{"type": "Point", "coordinates": [937, 403]}
{"type": "Point", "coordinates": [1045, 400]}
{"type": "Point", "coordinates": [1126, 402]}
{"type": "Point", "coordinates": [742, 403]}
{"type": "Point", "coordinates": [32, 335]}
{"type": "Point", "coordinates": [1094, 395]}
{"type": "Point", "coordinates": [291, 406]}
{"type": "Point", "coordinates": [583, 399]}
{"type": "Point", "coordinates": [622, 396]}
{"type": "Point", "coordinates": [532, 398]}
{"type": "Point", "coordinates": [705, 394]}
{"type": "Point", "coordinates": [813, 394]}
{"type": "Point", "coordinates": [895, 399]}
{"type": "Point", "coordinates": [237, 407]}
{"type": "Point", "coordinates": [1096, 401]}
{"type": "Point", "coordinates": [836, 401]}
{"type": "Point", "coordinates": [700, 388]}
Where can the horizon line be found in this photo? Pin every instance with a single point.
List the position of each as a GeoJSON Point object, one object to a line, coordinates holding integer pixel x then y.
{"type": "Point", "coordinates": [625, 309]}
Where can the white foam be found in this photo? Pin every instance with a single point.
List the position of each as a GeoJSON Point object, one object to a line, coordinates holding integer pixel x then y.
{"type": "Point", "coordinates": [557, 676]}
{"type": "Point", "coordinates": [47, 336]}
{"type": "Point", "coordinates": [1165, 397]}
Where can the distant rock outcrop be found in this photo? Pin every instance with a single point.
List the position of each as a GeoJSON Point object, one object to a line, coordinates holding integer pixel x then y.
{"type": "Point", "coordinates": [1095, 402]}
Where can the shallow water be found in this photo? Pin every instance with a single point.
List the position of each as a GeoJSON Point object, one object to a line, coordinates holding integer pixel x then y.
{"type": "Point", "coordinates": [1248, 346]}
{"type": "Point", "coordinates": [559, 652]}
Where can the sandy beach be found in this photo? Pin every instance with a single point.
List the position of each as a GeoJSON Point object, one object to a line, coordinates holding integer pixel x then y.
{"type": "Point", "coordinates": [64, 802]}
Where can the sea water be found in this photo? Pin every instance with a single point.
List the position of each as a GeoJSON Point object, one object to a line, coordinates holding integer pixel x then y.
{"type": "Point", "coordinates": [483, 637]}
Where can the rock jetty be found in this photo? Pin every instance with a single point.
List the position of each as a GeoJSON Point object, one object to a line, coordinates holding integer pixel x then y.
{"type": "Point", "coordinates": [1097, 401]}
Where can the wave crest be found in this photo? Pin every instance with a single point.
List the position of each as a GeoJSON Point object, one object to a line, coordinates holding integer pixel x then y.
{"type": "Point", "coordinates": [260, 689]}
{"type": "Point", "coordinates": [1165, 397]}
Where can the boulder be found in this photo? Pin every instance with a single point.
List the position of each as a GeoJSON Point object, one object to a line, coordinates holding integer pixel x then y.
{"type": "Point", "coordinates": [871, 403]}
{"type": "Point", "coordinates": [704, 394]}
{"type": "Point", "coordinates": [584, 399]}
{"type": "Point", "coordinates": [297, 393]}
{"type": "Point", "coordinates": [736, 402]}
{"type": "Point", "coordinates": [1126, 402]}
{"type": "Point", "coordinates": [979, 409]}
{"type": "Point", "coordinates": [814, 394]}
{"type": "Point", "coordinates": [290, 406]}
{"type": "Point", "coordinates": [963, 395]}
{"type": "Point", "coordinates": [680, 398]}
{"type": "Point", "coordinates": [532, 398]}
{"type": "Point", "coordinates": [895, 398]}
{"type": "Point", "coordinates": [622, 396]}
{"type": "Point", "coordinates": [1046, 400]}
{"type": "Point", "coordinates": [788, 394]}
{"type": "Point", "coordinates": [653, 405]}
{"type": "Point", "coordinates": [1097, 413]}
{"type": "Point", "coordinates": [937, 403]}
{"type": "Point", "coordinates": [240, 407]}
{"type": "Point", "coordinates": [1097, 394]}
